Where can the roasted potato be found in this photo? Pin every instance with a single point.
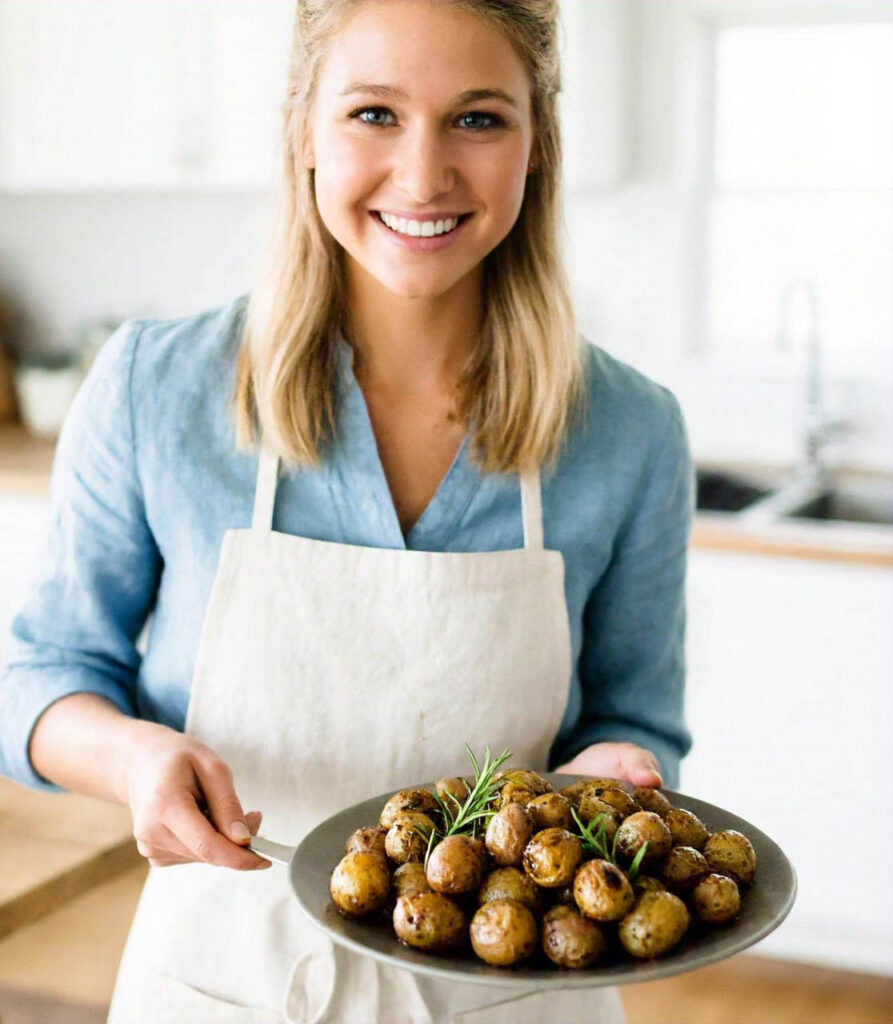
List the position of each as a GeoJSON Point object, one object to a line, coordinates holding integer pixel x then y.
{"type": "Point", "coordinates": [508, 832]}
{"type": "Point", "coordinates": [511, 884]}
{"type": "Point", "coordinates": [686, 828]}
{"type": "Point", "coordinates": [682, 867]}
{"type": "Point", "coordinates": [454, 787]}
{"type": "Point", "coordinates": [514, 793]}
{"type": "Point", "coordinates": [360, 883]}
{"type": "Point", "coordinates": [552, 856]}
{"type": "Point", "coordinates": [639, 828]}
{"type": "Point", "coordinates": [652, 800]}
{"type": "Point", "coordinates": [527, 779]}
{"type": "Point", "coordinates": [656, 924]}
{"type": "Point", "coordinates": [591, 807]}
{"type": "Point", "coordinates": [409, 879]}
{"type": "Point", "coordinates": [647, 883]}
{"type": "Point", "coordinates": [569, 939]}
{"type": "Point", "coordinates": [367, 839]}
{"type": "Point", "coordinates": [429, 921]}
{"type": "Point", "coordinates": [407, 838]}
{"type": "Point", "coordinates": [408, 800]}
{"type": "Point", "coordinates": [616, 796]}
{"type": "Point", "coordinates": [715, 899]}
{"type": "Point", "coordinates": [730, 853]}
{"type": "Point", "coordinates": [550, 810]}
{"type": "Point", "coordinates": [503, 932]}
{"type": "Point", "coordinates": [602, 891]}
{"type": "Point", "coordinates": [455, 865]}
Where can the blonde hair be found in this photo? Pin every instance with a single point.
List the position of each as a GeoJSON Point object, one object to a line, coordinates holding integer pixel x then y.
{"type": "Point", "coordinates": [524, 379]}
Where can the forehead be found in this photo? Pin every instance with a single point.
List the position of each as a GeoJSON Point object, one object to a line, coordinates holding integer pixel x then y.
{"type": "Point", "coordinates": [425, 48]}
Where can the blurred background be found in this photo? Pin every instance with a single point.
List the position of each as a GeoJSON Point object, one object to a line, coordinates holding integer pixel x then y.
{"type": "Point", "coordinates": [729, 190]}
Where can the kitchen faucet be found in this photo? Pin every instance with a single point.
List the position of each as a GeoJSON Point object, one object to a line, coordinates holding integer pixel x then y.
{"type": "Point", "coordinates": [817, 427]}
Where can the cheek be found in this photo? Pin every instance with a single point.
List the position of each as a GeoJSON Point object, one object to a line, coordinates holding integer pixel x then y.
{"type": "Point", "coordinates": [345, 174]}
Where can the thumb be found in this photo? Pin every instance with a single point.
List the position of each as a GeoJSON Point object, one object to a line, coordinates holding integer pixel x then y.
{"type": "Point", "coordinates": [642, 768]}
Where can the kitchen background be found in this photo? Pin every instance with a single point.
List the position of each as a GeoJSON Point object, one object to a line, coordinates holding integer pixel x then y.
{"type": "Point", "coordinates": [730, 233]}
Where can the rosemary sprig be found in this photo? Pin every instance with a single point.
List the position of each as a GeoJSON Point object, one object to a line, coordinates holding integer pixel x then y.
{"type": "Point", "coordinates": [596, 839]}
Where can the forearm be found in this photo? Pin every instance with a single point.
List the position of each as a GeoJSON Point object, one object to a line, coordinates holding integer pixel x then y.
{"type": "Point", "coordinates": [82, 743]}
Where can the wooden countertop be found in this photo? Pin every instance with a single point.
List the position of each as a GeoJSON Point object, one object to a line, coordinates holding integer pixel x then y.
{"type": "Point", "coordinates": [54, 847]}
{"type": "Point", "coordinates": [26, 461]}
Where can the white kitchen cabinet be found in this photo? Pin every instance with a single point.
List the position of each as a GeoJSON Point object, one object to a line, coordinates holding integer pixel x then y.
{"type": "Point", "coordinates": [790, 701]}
{"type": "Point", "coordinates": [597, 39]}
{"type": "Point", "coordinates": [147, 94]}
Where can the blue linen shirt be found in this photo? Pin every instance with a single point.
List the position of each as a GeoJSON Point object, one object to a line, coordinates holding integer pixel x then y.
{"type": "Point", "coordinates": [147, 480]}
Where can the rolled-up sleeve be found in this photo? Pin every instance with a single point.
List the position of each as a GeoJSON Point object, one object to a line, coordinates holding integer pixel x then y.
{"type": "Point", "coordinates": [632, 661]}
{"type": "Point", "coordinates": [96, 585]}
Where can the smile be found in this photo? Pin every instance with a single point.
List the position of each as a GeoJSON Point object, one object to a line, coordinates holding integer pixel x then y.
{"type": "Point", "coordinates": [420, 228]}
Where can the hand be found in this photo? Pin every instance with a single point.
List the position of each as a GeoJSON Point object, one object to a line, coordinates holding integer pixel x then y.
{"type": "Point", "coordinates": [616, 761]}
{"type": "Point", "coordinates": [170, 778]}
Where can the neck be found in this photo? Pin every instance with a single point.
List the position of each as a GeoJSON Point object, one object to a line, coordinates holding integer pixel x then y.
{"type": "Point", "coordinates": [411, 345]}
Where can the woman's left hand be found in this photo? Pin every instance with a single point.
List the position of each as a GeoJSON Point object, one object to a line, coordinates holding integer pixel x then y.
{"type": "Point", "coordinates": [616, 761]}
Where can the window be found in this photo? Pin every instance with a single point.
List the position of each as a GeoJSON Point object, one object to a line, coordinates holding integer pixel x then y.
{"type": "Point", "coordinates": [801, 190]}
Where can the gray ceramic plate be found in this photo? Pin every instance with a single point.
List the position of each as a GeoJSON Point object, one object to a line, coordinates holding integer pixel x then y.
{"type": "Point", "coordinates": [763, 907]}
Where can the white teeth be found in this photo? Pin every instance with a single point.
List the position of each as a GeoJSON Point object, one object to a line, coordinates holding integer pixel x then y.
{"type": "Point", "coordinates": [416, 228]}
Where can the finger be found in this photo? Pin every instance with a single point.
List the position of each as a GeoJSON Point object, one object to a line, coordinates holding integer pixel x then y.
{"type": "Point", "coordinates": [252, 819]}
{"type": "Point", "coordinates": [163, 843]}
{"type": "Point", "coordinates": [203, 841]}
{"type": "Point", "coordinates": [216, 782]}
{"type": "Point", "coordinates": [642, 767]}
{"type": "Point", "coordinates": [169, 862]}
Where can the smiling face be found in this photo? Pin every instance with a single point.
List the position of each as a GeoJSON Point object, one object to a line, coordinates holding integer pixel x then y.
{"type": "Point", "coordinates": [422, 116]}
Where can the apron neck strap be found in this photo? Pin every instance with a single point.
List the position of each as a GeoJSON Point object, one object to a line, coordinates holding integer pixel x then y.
{"type": "Point", "coordinates": [265, 492]}
{"type": "Point", "coordinates": [268, 474]}
{"type": "Point", "coordinates": [532, 509]}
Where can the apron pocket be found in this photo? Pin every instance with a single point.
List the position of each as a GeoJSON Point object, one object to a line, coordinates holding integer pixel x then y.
{"type": "Point", "coordinates": [554, 1006]}
{"type": "Point", "coordinates": [178, 1002]}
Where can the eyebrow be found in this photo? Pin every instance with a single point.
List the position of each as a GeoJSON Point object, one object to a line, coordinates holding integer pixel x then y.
{"type": "Point", "coordinates": [390, 92]}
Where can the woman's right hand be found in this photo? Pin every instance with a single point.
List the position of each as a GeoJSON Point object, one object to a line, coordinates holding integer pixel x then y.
{"type": "Point", "coordinates": [183, 803]}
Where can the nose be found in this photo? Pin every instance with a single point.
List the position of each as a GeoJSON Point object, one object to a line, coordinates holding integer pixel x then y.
{"type": "Point", "coordinates": [423, 165]}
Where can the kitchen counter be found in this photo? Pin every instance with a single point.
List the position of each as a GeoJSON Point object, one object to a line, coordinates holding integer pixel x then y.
{"type": "Point", "coordinates": [25, 464]}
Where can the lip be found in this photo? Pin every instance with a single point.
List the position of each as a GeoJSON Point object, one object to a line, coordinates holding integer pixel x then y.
{"type": "Point", "coordinates": [418, 243]}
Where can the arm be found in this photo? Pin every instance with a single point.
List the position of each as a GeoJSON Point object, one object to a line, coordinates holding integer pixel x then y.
{"type": "Point", "coordinates": [632, 664]}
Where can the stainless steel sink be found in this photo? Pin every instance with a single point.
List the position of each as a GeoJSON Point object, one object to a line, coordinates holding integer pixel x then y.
{"type": "Point", "coordinates": [782, 496]}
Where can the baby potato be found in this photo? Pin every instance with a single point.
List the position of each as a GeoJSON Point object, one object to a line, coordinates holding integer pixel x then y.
{"type": "Point", "coordinates": [686, 828]}
{"type": "Point", "coordinates": [511, 884]}
{"type": "Point", "coordinates": [656, 924]}
{"type": "Point", "coordinates": [647, 883]}
{"type": "Point", "coordinates": [550, 810]}
{"type": "Point", "coordinates": [591, 808]}
{"type": "Point", "coordinates": [410, 879]}
{"type": "Point", "coordinates": [508, 832]}
{"type": "Point", "coordinates": [552, 856]}
{"type": "Point", "coordinates": [652, 800]}
{"type": "Point", "coordinates": [514, 793]}
{"type": "Point", "coordinates": [602, 891]}
{"type": "Point", "coordinates": [455, 787]}
{"type": "Point", "coordinates": [715, 899]}
{"type": "Point", "coordinates": [455, 865]}
{"type": "Point", "coordinates": [503, 932]}
{"type": "Point", "coordinates": [526, 779]}
{"type": "Point", "coordinates": [564, 895]}
{"type": "Point", "coordinates": [406, 839]}
{"type": "Point", "coordinates": [682, 867]}
{"type": "Point", "coordinates": [408, 800]}
{"type": "Point", "coordinates": [361, 883]}
{"type": "Point", "coordinates": [639, 828]}
{"type": "Point", "coordinates": [569, 939]}
{"type": "Point", "coordinates": [369, 839]}
{"type": "Point", "coordinates": [730, 853]}
{"type": "Point", "coordinates": [616, 796]}
{"type": "Point", "coordinates": [429, 921]}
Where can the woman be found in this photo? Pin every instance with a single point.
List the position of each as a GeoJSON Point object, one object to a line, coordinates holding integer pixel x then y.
{"type": "Point", "coordinates": [409, 581]}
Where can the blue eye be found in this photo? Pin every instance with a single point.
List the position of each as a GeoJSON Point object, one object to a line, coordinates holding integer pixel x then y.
{"type": "Point", "coordinates": [494, 119]}
{"type": "Point", "coordinates": [358, 114]}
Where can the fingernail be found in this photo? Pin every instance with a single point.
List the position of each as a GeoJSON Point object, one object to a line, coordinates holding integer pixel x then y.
{"type": "Point", "coordinates": [239, 832]}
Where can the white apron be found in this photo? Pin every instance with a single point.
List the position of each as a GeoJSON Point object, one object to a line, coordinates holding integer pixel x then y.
{"type": "Point", "coordinates": [327, 673]}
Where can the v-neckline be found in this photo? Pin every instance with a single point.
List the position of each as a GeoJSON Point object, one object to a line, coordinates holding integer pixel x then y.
{"type": "Point", "coordinates": [360, 454]}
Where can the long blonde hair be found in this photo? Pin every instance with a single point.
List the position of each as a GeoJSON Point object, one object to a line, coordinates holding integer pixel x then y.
{"type": "Point", "coordinates": [524, 379]}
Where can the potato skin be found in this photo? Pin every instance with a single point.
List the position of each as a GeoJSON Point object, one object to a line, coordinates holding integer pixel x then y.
{"type": "Point", "coordinates": [409, 879]}
{"type": "Point", "coordinates": [730, 853]}
{"type": "Point", "coordinates": [602, 891]}
{"type": "Point", "coordinates": [571, 940]}
{"type": "Point", "coordinates": [591, 807]}
{"type": "Point", "coordinates": [654, 926]}
{"type": "Point", "coordinates": [406, 840]}
{"type": "Point", "coordinates": [408, 800]}
{"type": "Point", "coordinates": [715, 899]}
{"type": "Point", "coordinates": [369, 839]}
{"type": "Point", "coordinates": [650, 799]}
{"type": "Point", "coordinates": [686, 828]}
{"type": "Point", "coordinates": [453, 786]}
{"type": "Point", "coordinates": [682, 868]}
{"type": "Point", "coordinates": [552, 856]}
{"type": "Point", "coordinates": [511, 884]}
{"type": "Point", "coordinates": [455, 865]}
{"type": "Point", "coordinates": [360, 883]}
{"type": "Point", "coordinates": [550, 810]}
{"type": "Point", "coordinates": [527, 779]}
{"type": "Point", "coordinates": [508, 832]}
{"type": "Point", "coordinates": [503, 932]}
{"type": "Point", "coordinates": [616, 796]}
{"type": "Point", "coordinates": [642, 827]}
{"type": "Point", "coordinates": [429, 921]}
